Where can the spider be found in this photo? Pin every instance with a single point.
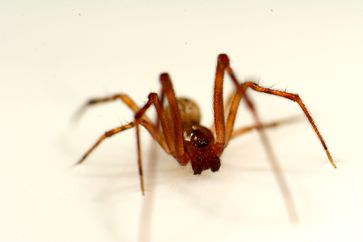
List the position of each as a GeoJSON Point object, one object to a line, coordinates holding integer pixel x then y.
{"type": "Point", "coordinates": [179, 132]}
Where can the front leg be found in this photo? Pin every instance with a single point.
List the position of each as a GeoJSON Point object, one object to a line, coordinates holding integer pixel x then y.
{"type": "Point", "coordinates": [291, 96]}
{"type": "Point", "coordinates": [223, 135]}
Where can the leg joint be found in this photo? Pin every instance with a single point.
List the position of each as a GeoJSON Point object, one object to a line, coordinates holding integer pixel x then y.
{"type": "Point", "coordinates": [109, 133]}
{"type": "Point", "coordinates": [224, 59]}
{"type": "Point", "coordinates": [153, 96]}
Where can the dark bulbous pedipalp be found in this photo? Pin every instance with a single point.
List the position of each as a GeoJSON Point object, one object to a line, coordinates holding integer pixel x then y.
{"type": "Point", "coordinates": [200, 147]}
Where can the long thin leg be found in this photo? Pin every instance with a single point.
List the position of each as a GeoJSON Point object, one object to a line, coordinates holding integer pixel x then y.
{"type": "Point", "coordinates": [139, 161]}
{"type": "Point", "coordinates": [232, 133]}
{"type": "Point", "coordinates": [113, 132]}
{"type": "Point", "coordinates": [153, 99]}
{"type": "Point", "coordinates": [168, 91]}
{"type": "Point", "coordinates": [274, 124]}
{"type": "Point", "coordinates": [291, 96]}
{"type": "Point", "coordinates": [224, 129]}
{"type": "Point", "coordinates": [233, 107]}
{"type": "Point", "coordinates": [106, 135]}
{"type": "Point", "coordinates": [296, 98]}
{"type": "Point", "coordinates": [139, 120]}
{"type": "Point", "coordinates": [101, 100]}
{"type": "Point", "coordinates": [218, 106]}
{"type": "Point", "coordinates": [227, 107]}
{"type": "Point", "coordinates": [222, 135]}
{"type": "Point", "coordinates": [230, 109]}
{"type": "Point", "coordinates": [146, 122]}
{"type": "Point", "coordinates": [167, 141]}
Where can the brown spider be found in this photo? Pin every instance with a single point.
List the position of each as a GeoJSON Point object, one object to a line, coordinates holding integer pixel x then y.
{"type": "Point", "coordinates": [179, 132]}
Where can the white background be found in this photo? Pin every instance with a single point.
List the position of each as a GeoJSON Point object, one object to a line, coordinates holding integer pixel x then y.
{"type": "Point", "coordinates": [55, 55]}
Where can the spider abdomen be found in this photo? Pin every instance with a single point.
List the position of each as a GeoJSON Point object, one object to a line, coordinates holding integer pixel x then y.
{"type": "Point", "coordinates": [189, 112]}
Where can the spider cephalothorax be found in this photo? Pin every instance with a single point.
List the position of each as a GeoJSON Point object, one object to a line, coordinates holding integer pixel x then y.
{"type": "Point", "coordinates": [199, 145]}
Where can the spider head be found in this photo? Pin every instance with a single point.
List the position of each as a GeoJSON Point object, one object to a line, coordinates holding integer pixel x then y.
{"type": "Point", "coordinates": [200, 147]}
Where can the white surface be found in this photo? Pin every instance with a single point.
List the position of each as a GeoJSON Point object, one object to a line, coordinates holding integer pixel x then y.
{"type": "Point", "coordinates": [56, 55]}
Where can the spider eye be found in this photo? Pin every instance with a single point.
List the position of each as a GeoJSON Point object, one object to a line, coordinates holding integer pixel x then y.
{"type": "Point", "coordinates": [199, 139]}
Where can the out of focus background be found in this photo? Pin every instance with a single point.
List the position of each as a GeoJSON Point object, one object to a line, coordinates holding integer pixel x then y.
{"type": "Point", "coordinates": [54, 55]}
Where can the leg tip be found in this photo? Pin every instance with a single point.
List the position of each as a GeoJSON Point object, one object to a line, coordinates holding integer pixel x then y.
{"type": "Point", "coordinates": [77, 163]}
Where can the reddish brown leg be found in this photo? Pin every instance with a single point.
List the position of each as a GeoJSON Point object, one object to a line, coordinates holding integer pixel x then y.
{"type": "Point", "coordinates": [175, 122]}
{"type": "Point", "coordinates": [274, 124]}
{"type": "Point", "coordinates": [224, 129]}
{"type": "Point", "coordinates": [235, 101]}
{"type": "Point", "coordinates": [219, 121]}
{"type": "Point", "coordinates": [106, 135]}
{"type": "Point", "coordinates": [146, 123]}
{"type": "Point", "coordinates": [169, 135]}
{"type": "Point", "coordinates": [174, 139]}
{"type": "Point", "coordinates": [101, 100]}
{"type": "Point", "coordinates": [139, 120]}
{"type": "Point", "coordinates": [222, 135]}
{"type": "Point", "coordinates": [297, 99]}
{"type": "Point", "coordinates": [153, 99]}
{"type": "Point", "coordinates": [139, 161]}
{"type": "Point", "coordinates": [112, 132]}
{"type": "Point", "coordinates": [168, 91]}
{"type": "Point", "coordinates": [232, 133]}
{"type": "Point", "coordinates": [291, 96]}
{"type": "Point", "coordinates": [223, 65]}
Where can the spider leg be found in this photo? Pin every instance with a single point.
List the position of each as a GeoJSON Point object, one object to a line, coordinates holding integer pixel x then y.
{"type": "Point", "coordinates": [101, 100]}
{"type": "Point", "coordinates": [140, 119]}
{"type": "Point", "coordinates": [146, 122]}
{"type": "Point", "coordinates": [223, 135]}
{"type": "Point", "coordinates": [274, 124]}
{"type": "Point", "coordinates": [168, 126]}
{"type": "Point", "coordinates": [168, 91]}
{"type": "Point", "coordinates": [106, 135]}
{"type": "Point", "coordinates": [266, 125]}
{"type": "Point", "coordinates": [171, 142]}
{"type": "Point", "coordinates": [162, 96]}
{"type": "Point", "coordinates": [234, 133]}
{"type": "Point", "coordinates": [291, 96]}
{"type": "Point", "coordinates": [112, 132]}
{"type": "Point", "coordinates": [296, 98]}
{"type": "Point", "coordinates": [227, 107]}
{"type": "Point", "coordinates": [174, 140]}
{"type": "Point", "coordinates": [153, 99]}
{"type": "Point", "coordinates": [139, 161]}
{"type": "Point", "coordinates": [233, 107]}
{"type": "Point", "coordinates": [218, 106]}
